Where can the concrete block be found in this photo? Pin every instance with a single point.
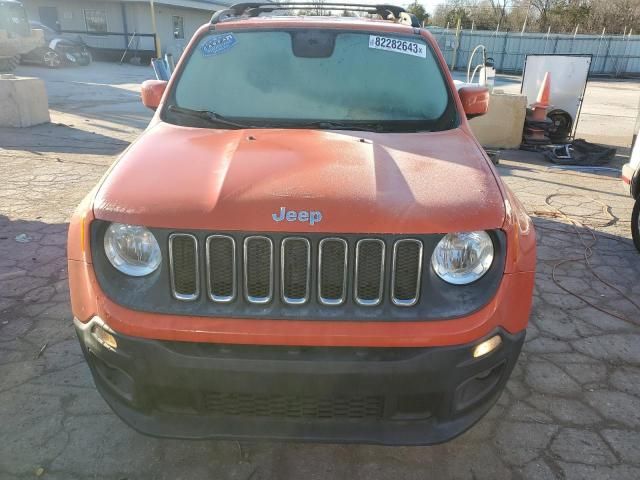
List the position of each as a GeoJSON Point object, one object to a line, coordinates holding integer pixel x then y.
{"type": "Point", "coordinates": [23, 101]}
{"type": "Point", "coordinates": [501, 126]}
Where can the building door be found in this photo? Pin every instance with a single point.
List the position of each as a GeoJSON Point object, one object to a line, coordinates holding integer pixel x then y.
{"type": "Point", "coordinates": [49, 17]}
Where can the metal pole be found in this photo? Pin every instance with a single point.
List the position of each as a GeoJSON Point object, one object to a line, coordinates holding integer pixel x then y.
{"type": "Point", "coordinates": [619, 67]}
{"type": "Point", "coordinates": [598, 50]}
{"type": "Point", "coordinates": [155, 29]}
{"type": "Point", "coordinates": [526, 17]}
{"type": "Point", "coordinates": [504, 50]}
{"type": "Point", "coordinates": [125, 27]}
{"type": "Point", "coordinates": [457, 44]}
{"type": "Point", "coordinates": [128, 46]}
{"type": "Point", "coordinates": [495, 40]}
{"type": "Point", "coordinates": [444, 46]}
{"type": "Point", "coordinates": [606, 55]}
{"type": "Point", "coordinates": [573, 39]}
{"type": "Point", "coordinates": [546, 39]}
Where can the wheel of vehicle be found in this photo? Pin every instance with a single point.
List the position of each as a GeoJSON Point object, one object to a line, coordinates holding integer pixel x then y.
{"type": "Point", "coordinates": [635, 224]}
{"type": "Point", "coordinates": [85, 60]}
{"type": "Point", "coordinates": [51, 58]}
{"type": "Point", "coordinates": [561, 127]}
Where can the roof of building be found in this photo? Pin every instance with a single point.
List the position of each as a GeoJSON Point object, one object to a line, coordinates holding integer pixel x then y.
{"type": "Point", "coordinates": [201, 4]}
{"type": "Point", "coordinates": [211, 5]}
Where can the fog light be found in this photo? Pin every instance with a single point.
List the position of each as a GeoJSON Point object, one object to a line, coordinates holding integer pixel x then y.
{"type": "Point", "coordinates": [104, 337]}
{"type": "Point", "coordinates": [487, 346]}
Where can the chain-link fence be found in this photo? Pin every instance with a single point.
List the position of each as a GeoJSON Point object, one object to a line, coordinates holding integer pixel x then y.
{"type": "Point", "coordinates": [617, 55]}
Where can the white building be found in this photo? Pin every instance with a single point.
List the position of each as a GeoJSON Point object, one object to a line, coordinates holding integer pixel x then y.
{"type": "Point", "coordinates": [110, 25]}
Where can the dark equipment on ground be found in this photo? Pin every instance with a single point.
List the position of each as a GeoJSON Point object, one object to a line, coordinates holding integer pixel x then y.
{"type": "Point", "coordinates": [580, 152]}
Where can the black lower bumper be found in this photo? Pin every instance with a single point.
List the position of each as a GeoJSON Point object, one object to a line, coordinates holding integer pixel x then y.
{"type": "Point", "coordinates": [392, 396]}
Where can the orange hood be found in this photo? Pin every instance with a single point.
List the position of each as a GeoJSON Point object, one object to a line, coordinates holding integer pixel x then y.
{"type": "Point", "coordinates": [349, 182]}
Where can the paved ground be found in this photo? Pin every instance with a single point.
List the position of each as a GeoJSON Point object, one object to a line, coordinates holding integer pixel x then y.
{"type": "Point", "coordinates": [571, 409]}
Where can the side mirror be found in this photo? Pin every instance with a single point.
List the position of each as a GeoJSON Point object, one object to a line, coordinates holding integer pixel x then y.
{"type": "Point", "coordinates": [151, 92]}
{"type": "Point", "coordinates": [475, 100]}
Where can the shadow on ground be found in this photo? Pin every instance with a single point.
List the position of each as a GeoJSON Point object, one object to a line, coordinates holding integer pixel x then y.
{"type": "Point", "coordinates": [59, 138]}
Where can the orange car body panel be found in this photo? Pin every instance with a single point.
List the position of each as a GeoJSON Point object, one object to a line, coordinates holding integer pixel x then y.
{"type": "Point", "coordinates": [228, 180]}
{"type": "Point", "coordinates": [505, 310]}
{"type": "Point", "coordinates": [234, 180]}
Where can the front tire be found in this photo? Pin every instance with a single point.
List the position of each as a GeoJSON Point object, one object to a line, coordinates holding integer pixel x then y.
{"type": "Point", "coordinates": [51, 58]}
{"type": "Point", "coordinates": [635, 224]}
{"type": "Point", "coordinates": [83, 61]}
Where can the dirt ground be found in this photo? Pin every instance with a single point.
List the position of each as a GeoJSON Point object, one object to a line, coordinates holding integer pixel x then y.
{"type": "Point", "coordinates": [570, 410]}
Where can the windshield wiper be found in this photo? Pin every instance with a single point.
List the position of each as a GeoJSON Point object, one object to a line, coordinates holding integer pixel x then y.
{"type": "Point", "coordinates": [207, 115]}
{"type": "Point", "coordinates": [328, 125]}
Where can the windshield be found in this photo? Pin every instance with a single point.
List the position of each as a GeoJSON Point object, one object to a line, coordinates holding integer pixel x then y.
{"type": "Point", "coordinates": [282, 78]}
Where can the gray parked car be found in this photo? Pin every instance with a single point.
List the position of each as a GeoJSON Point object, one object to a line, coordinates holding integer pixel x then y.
{"type": "Point", "coordinates": [59, 50]}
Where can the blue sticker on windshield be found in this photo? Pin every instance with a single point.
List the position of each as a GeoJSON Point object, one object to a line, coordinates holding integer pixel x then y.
{"type": "Point", "coordinates": [218, 44]}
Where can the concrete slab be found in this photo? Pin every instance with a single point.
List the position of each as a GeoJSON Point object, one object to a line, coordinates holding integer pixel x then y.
{"type": "Point", "coordinates": [23, 101]}
{"type": "Point", "coordinates": [502, 125]}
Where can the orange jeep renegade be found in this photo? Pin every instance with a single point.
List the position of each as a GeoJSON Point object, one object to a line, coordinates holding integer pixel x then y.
{"type": "Point", "coordinates": [307, 242]}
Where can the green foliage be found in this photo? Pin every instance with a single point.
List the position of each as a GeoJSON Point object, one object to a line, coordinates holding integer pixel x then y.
{"type": "Point", "coordinates": [418, 10]}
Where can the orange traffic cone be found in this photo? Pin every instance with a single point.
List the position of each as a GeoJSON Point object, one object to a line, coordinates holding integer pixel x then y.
{"type": "Point", "coordinates": [539, 108]}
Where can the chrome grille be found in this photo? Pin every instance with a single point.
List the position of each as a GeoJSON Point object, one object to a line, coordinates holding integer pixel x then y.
{"type": "Point", "coordinates": [332, 271]}
{"type": "Point", "coordinates": [369, 279]}
{"type": "Point", "coordinates": [405, 275]}
{"type": "Point", "coordinates": [258, 269]}
{"type": "Point", "coordinates": [221, 268]}
{"type": "Point", "coordinates": [329, 271]}
{"type": "Point", "coordinates": [183, 266]}
{"type": "Point", "coordinates": [295, 273]}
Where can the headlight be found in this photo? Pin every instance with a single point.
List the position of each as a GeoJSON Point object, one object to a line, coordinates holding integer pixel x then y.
{"type": "Point", "coordinates": [132, 249]}
{"type": "Point", "coordinates": [462, 258]}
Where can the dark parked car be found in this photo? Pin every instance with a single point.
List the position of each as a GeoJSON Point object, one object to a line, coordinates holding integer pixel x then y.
{"type": "Point", "coordinates": [58, 50]}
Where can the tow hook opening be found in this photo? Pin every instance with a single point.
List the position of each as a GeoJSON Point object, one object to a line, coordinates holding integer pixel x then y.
{"type": "Point", "coordinates": [477, 388]}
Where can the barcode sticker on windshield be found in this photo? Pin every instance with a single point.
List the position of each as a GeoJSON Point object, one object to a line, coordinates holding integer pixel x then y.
{"type": "Point", "coordinates": [397, 45]}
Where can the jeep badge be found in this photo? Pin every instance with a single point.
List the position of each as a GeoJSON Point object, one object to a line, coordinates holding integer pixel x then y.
{"type": "Point", "coordinates": [313, 216]}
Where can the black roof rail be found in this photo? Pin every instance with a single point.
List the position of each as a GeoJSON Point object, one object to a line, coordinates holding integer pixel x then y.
{"type": "Point", "coordinates": [254, 9]}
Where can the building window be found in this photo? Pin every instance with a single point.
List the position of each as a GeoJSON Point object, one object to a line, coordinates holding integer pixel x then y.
{"type": "Point", "coordinates": [96, 21]}
{"type": "Point", "coordinates": [178, 27]}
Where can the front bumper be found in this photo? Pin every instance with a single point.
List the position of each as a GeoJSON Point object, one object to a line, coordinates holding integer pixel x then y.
{"type": "Point", "coordinates": [393, 396]}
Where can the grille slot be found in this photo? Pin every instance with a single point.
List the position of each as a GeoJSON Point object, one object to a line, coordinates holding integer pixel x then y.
{"type": "Point", "coordinates": [183, 266]}
{"type": "Point", "coordinates": [221, 268]}
{"type": "Point", "coordinates": [406, 272]}
{"type": "Point", "coordinates": [369, 278]}
{"type": "Point", "coordinates": [332, 271]}
{"type": "Point", "coordinates": [293, 406]}
{"type": "Point", "coordinates": [293, 280]}
{"type": "Point", "coordinates": [295, 271]}
{"type": "Point", "coordinates": [258, 269]}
